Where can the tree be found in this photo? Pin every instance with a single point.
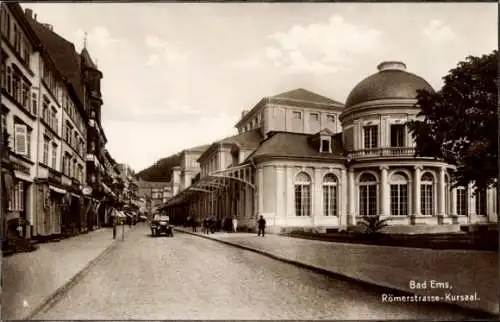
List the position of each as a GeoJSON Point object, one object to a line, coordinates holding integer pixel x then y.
{"type": "Point", "coordinates": [460, 122]}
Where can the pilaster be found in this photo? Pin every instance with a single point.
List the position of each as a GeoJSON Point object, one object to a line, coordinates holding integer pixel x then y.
{"type": "Point", "coordinates": [416, 190]}
{"type": "Point", "coordinates": [260, 190]}
{"type": "Point", "coordinates": [351, 190]}
{"type": "Point", "coordinates": [442, 192]}
{"type": "Point", "coordinates": [317, 196]}
{"type": "Point", "coordinates": [384, 195]}
{"type": "Point", "coordinates": [289, 205]}
{"type": "Point", "coordinates": [343, 202]}
{"type": "Point", "coordinates": [280, 192]}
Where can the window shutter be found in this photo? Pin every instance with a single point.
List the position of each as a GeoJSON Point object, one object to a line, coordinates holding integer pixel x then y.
{"type": "Point", "coordinates": [20, 139]}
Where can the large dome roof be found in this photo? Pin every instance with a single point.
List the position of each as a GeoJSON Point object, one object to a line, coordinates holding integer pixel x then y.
{"type": "Point", "coordinates": [392, 81]}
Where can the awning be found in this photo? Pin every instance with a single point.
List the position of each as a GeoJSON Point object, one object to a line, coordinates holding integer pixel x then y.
{"type": "Point", "coordinates": [12, 215]}
{"type": "Point", "coordinates": [58, 190]}
{"type": "Point", "coordinates": [118, 214]}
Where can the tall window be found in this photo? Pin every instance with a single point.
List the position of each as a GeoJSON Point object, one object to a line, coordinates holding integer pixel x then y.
{"type": "Point", "coordinates": [16, 202]}
{"type": "Point", "coordinates": [330, 195]}
{"type": "Point", "coordinates": [9, 80]}
{"type": "Point", "coordinates": [21, 139]}
{"type": "Point", "coordinates": [427, 194]}
{"type": "Point", "coordinates": [462, 205]}
{"type": "Point", "coordinates": [481, 203]}
{"type": "Point", "coordinates": [54, 155]}
{"type": "Point", "coordinates": [397, 135]}
{"type": "Point", "coordinates": [367, 195]}
{"type": "Point", "coordinates": [4, 120]}
{"type": "Point", "coordinates": [34, 103]}
{"type": "Point", "coordinates": [28, 142]}
{"type": "Point", "coordinates": [399, 194]}
{"type": "Point", "coordinates": [314, 117]}
{"type": "Point", "coordinates": [303, 195]}
{"type": "Point", "coordinates": [447, 194]}
{"type": "Point", "coordinates": [46, 151]}
{"type": "Point", "coordinates": [370, 136]}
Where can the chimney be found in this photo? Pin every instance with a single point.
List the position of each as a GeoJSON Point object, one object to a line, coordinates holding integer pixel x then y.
{"type": "Point", "coordinates": [244, 113]}
{"type": "Point", "coordinates": [48, 26]}
{"type": "Point", "coordinates": [28, 12]}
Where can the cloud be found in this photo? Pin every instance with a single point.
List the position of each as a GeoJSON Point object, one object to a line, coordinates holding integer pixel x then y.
{"type": "Point", "coordinates": [250, 62]}
{"type": "Point", "coordinates": [152, 141]}
{"type": "Point", "coordinates": [100, 43]}
{"type": "Point", "coordinates": [436, 31]}
{"type": "Point", "coordinates": [320, 48]}
{"type": "Point", "coordinates": [164, 50]}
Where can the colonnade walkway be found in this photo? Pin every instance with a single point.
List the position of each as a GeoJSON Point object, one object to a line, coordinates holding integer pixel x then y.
{"type": "Point", "coordinates": [465, 272]}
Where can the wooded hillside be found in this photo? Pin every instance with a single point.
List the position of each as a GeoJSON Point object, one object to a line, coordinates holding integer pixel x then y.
{"type": "Point", "coordinates": [161, 170]}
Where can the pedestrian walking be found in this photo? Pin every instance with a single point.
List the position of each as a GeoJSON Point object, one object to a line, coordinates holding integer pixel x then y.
{"type": "Point", "coordinates": [193, 224]}
{"type": "Point", "coordinates": [205, 225]}
{"type": "Point", "coordinates": [261, 223]}
{"type": "Point", "coordinates": [235, 224]}
{"type": "Point", "coordinates": [114, 223]}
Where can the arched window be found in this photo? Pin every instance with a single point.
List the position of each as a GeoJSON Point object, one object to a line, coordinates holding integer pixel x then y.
{"type": "Point", "coordinates": [399, 194]}
{"type": "Point", "coordinates": [462, 204]}
{"type": "Point", "coordinates": [303, 195]}
{"type": "Point", "coordinates": [367, 195]}
{"type": "Point", "coordinates": [330, 195]}
{"type": "Point", "coordinates": [481, 202]}
{"type": "Point", "coordinates": [427, 194]}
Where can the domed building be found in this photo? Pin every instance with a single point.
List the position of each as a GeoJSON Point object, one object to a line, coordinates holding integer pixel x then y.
{"type": "Point", "coordinates": [303, 160]}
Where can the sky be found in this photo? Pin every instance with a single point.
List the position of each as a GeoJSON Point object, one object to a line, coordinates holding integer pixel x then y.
{"type": "Point", "coordinates": [178, 75]}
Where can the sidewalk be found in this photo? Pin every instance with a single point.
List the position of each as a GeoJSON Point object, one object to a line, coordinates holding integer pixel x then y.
{"type": "Point", "coordinates": [390, 267]}
{"type": "Point", "coordinates": [30, 280]}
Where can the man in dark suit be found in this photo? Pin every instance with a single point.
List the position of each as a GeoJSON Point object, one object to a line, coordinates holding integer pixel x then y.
{"type": "Point", "coordinates": [261, 223]}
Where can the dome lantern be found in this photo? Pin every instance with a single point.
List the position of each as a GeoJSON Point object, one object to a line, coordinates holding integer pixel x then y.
{"type": "Point", "coordinates": [391, 65]}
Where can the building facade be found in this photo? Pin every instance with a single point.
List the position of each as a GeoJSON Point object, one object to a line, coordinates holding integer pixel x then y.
{"type": "Point", "coordinates": [19, 112]}
{"type": "Point", "coordinates": [152, 194]}
{"type": "Point", "coordinates": [323, 165]}
{"type": "Point", "coordinates": [62, 112]}
{"type": "Point", "coordinates": [49, 92]}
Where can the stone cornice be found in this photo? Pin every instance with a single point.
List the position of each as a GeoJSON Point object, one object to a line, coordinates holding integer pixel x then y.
{"type": "Point", "coordinates": [340, 159]}
{"type": "Point", "coordinates": [378, 104]}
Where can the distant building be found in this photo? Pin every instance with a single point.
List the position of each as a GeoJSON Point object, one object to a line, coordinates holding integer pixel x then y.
{"type": "Point", "coordinates": [304, 160]}
{"type": "Point", "coordinates": [154, 193]}
{"type": "Point", "coordinates": [183, 175]}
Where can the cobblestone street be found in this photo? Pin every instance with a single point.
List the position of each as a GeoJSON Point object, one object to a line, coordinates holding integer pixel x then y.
{"type": "Point", "coordinates": [187, 277]}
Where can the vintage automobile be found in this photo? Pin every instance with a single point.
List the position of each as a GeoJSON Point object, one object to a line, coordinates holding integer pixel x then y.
{"type": "Point", "coordinates": [161, 225]}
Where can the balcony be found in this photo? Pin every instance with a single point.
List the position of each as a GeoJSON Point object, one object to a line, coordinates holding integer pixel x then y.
{"type": "Point", "coordinates": [54, 176]}
{"type": "Point", "coordinates": [391, 152]}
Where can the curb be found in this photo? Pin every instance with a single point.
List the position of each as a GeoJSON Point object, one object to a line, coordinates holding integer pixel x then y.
{"type": "Point", "coordinates": [63, 289]}
{"type": "Point", "coordinates": [383, 289]}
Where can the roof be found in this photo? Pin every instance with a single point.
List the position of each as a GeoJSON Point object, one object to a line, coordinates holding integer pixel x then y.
{"type": "Point", "coordinates": [63, 54]}
{"type": "Point", "coordinates": [297, 97]}
{"type": "Point", "coordinates": [391, 82]}
{"type": "Point", "coordinates": [199, 148]}
{"type": "Point", "coordinates": [301, 94]}
{"type": "Point", "coordinates": [245, 140]}
{"type": "Point", "coordinates": [86, 60]}
{"type": "Point", "coordinates": [287, 144]}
